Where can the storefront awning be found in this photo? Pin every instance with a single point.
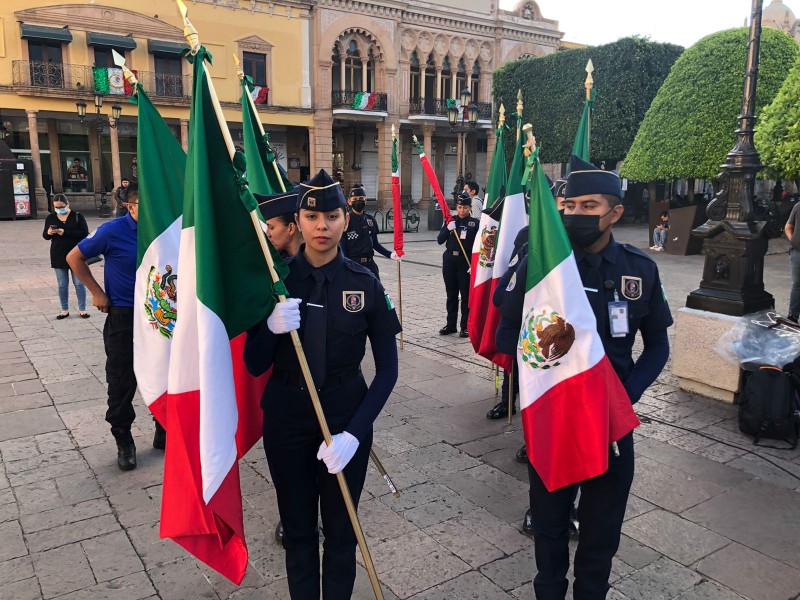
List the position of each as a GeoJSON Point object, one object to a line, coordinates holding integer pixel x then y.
{"type": "Point", "coordinates": [159, 47]}
{"type": "Point", "coordinates": [39, 32]}
{"type": "Point", "coordinates": [121, 42]}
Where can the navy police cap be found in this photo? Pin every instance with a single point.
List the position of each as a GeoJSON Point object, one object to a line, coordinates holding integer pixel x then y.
{"type": "Point", "coordinates": [277, 205]}
{"type": "Point", "coordinates": [464, 199]}
{"type": "Point", "coordinates": [585, 179]}
{"type": "Point", "coordinates": [358, 191]}
{"type": "Point", "coordinates": [322, 193]}
{"type": "Point", "coordinates": [560, 188]}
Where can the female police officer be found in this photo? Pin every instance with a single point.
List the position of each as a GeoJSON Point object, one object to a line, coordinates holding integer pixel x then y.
{"type": "Point", "coordinates": [278, 211]}
{"type": "Point", "coordinates": [336, 305]}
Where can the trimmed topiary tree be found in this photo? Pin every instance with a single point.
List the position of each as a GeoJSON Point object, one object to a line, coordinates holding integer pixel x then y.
{"type": "Point", "coordinates": [778, 131]}
{"type": "Point", "coordinates": [689, 128]}
{"type": "Point", "coordinates": [628, 74]}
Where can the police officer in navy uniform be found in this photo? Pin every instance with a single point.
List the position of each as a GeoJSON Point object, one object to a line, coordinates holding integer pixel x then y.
{"type": "Point", "coordinates": [361, 238]}
{"type": "Point", "coordinates": [336, 305]}
{"type": "Point", "coordinates": [610, 272]}
{"type": "Point", "coordinates": [280, 226]}
{"type": "Point", "coordinates": [455, 267]}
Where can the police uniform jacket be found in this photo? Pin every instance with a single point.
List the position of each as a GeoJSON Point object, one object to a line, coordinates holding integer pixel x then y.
{"type": "Point", "coordinates": [357, 308]}
{"type": "Point", "coordinates": [466, 230]}
{"type": "Point", "coordinates": [361, 238]}
{"type": "Point", "coordinates": [634, 276]}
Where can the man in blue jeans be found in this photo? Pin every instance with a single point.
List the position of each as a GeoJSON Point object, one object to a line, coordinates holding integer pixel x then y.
{"type": "Point", "coordinates": [116, 241]}
{"type": "Point", "coordinates": [794, 262]}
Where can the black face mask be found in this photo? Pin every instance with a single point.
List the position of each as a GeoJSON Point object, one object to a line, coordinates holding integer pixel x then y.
{"type": "Point", "coordinates": [583, 230]}
{"type": "Point", "coordinates": [359, 205]}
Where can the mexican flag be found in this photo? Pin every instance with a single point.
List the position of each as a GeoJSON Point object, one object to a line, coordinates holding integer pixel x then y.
{"type": "Point", "coordinates": [572, 402]}
{"type": "Point", "coordinates": [213, 414]}
{"type": "Point", "coordinates": [580, 147]}
{"type": "Point", "coordinates": [259, 94]}
{"type": "Point", "coordinates": [483, 315]}
{"type": "Point", "coordinates": [365, 101]}
{"type": "Point", "coordinates": [396, 204]}
{"type": "Point", "coordinates": [110, 81]}
{"type": "Point", "coordinates": [162, 163]}
{"type": "Point", "coordinates": [254, 146]}
{"type": "Point", "coordinates": [437, 190]}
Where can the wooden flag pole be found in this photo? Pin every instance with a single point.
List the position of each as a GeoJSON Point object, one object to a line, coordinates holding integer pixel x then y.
{"type": "Point", "coordinates": [194, 44]}
{"type": "Point", "coordinates": [496, 373]}
{"type": "Point", "coordinates": [260, 126]}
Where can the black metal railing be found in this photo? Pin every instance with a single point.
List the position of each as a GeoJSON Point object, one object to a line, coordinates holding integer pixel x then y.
{"type": "Point", "coordinates": [80, 78]}
{"type": "Point", "coordinates": [375, 102]}
{"type": "Point", "coordinates": [29, 73]}
{"type": "Point", "coordinates": [438, 108]}
{"type": "Point", "coordinates": [163, 85]}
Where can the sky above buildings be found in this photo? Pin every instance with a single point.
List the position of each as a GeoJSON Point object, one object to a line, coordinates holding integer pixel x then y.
{"type": "Point", "coordinates": [681, 22]}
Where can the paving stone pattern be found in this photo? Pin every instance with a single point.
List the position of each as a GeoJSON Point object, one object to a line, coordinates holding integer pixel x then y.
{"type": "Point", "coordinates": [710, 517]}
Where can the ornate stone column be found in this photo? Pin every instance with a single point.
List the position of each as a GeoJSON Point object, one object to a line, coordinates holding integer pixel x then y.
{"type": "Point", "coordinates": [364, 73]}
{"type": "Point", "coordinates": [40, 194]}
{"type": "Point", "coordinates": [438, 92]}
{"type": "Point", "coordinates": [427, 145]}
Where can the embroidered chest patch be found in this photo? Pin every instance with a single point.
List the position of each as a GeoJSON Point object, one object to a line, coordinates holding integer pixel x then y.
{"type": "Point", "coordinates": [353, 301]}
{"type": "Point", "coordinates": [631, 287]}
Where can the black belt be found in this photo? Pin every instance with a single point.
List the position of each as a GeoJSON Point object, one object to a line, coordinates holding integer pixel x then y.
{"type": "Point", "coordinates": [332, 381]}
{"type": "Point", "coordinates": [120, 310]}
{"type": "Point", "coordinates": [362, 259]}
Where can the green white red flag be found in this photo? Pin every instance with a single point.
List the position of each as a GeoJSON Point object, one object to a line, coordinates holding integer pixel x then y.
{"type": "Point", "coordinates": [572, 402]}
{"type": "Point", "coordinates": [396, 204]}
{"type": "Point", "coordinates": [213, 415]}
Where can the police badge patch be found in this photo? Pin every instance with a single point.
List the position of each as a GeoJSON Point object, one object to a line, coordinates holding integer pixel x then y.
{"type": "Point", "coordinates": [353, 301]}
{"type": "Point", "coordinates": [631, 287]}
{"type": "Point", "coordinates": [512, 282]}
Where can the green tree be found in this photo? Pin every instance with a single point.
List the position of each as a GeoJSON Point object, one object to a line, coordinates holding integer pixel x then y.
{"type": "Point", "coordinates": [689, 128]}
{"type": "Point", "coordinates": [627, 75]}
{"type": "Point", "coordinates": [778, 130]}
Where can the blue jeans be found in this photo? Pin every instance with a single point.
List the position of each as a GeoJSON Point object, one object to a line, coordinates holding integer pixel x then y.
{"type": "Point", "coordinates": [659, 237]}
{"type": "Point", "coordinates": [794, 297]}
{"type": "Point", "coordinates": [62, 277]}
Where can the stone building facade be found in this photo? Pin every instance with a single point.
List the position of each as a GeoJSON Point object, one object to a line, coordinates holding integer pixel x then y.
{"type": "Point", "coordinates": [376, 64]}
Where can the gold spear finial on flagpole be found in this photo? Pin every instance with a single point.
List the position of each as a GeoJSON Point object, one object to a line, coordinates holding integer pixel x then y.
{"type": "Point", "coordinates": [502, 118]}
{"type": "Point", "coordinates": [530, 145]}
{"type": "Point", "coordinates": [189, 32]}
{"type": "Point", "coordinates": [239, 71]}
{"type": "Point", "coordinates": [393, 134]}
{"type": "Point", "coordinates": [519, 102]}
{"type": "Point", "coordinates": [119, 60]}
{"type": "Point", "coordinates": [589, 83]}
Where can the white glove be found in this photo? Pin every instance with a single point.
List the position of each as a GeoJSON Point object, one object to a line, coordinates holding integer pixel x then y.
{"type": "Point", "coordinates": [338, 454]}
{"type": "Point", "coordinates": [285, 316]}
{"type": "Point", "coordinates": [395, 256]}
{"type": "Point", "coordinates": [451, 225]}
{"type": "Point", "coordinates": [469, 271]}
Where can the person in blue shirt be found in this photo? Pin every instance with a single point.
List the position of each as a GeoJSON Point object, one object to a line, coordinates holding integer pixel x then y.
{"type": "Point", "coordinates": [335, 305]}
{"type": "Point", "coordinates": [611, 273]}
{"type": "Point", "coordinates": [116, 241]}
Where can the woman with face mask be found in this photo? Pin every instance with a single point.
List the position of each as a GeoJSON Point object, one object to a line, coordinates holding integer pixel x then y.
{"type": "Point", "coordinates": [64, 228]}
{"type": "Point", "coordinates": [360, 241]}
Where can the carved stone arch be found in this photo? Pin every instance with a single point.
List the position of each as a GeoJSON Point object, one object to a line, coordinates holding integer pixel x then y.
{"type": "Point", "coordinates": [528, 9]}
{"type": "Point", "coordinates": [363, 37]}
{"type": "Point", "coordinates": [97, 17]}
{"type": "Point", "coordinates": [523, 51]}
{"type": "Point", "coordinates": [441, 46]}
{"type": "Point", "coordinates": [457, 46]}
{"type": "Point", "coordinates": [472, 49]}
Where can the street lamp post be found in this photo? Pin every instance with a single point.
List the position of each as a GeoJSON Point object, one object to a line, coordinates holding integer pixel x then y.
{"type": "Point", "coordinates": [733, 241]}
{"type": "Point", "coordinates": [469, 117]}
{"type": "Point", "coordinates": [97, 122]}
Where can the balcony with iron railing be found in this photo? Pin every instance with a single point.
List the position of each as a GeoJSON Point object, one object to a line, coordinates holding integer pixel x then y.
{"type": "Point", "coordinates": [359, 101]}
{"type": "Point", "coordinates": [60, 79]}
{"type": "Point", "coordinates": [437, 107]}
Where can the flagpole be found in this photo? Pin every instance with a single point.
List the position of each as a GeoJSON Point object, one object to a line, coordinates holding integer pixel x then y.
{"type": "Point", "coordinates": [399, 276]}
{"type": "Point", "coordinates": [458, 239]}
{"type": "Point", "coordinates": [384, 474]}
{"type": "Point", "coordinates": [194, 43]}
{"type": "Point", "coordinates": [589, 84]}
{"type": "Point", "coordinates": [496, 373]}
{"type": "Point", "coordinates": [260, 125]}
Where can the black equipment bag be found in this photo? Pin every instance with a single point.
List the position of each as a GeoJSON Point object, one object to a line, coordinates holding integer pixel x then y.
{"type": "Point", "coordinates": [768, 406]}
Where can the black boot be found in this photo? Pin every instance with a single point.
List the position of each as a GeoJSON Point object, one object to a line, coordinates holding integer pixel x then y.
{"type": "Point", "coordinates": [500, 410]}
{"type": "Point", "coordinates": [279, 533]}
{"type": "Point", "coordinates": [126, 451]}
{"type": "Point", "coordinates": [527, 523]}
{"type": "Point", "coordinates": [159, 437]}
{"type": "Point", "coordinates": [447, 330]}
{"type": "Point", "coordinates": [521, 456]}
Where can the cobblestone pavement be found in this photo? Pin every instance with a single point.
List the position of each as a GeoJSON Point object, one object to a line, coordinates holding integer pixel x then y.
{"type": "Point", "coordinates": [709, 517]}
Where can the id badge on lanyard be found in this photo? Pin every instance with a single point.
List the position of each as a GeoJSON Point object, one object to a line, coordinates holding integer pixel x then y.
{"type": "Point", "coordinates": [463, 233]}
{"type": "Point", "coordinates": [618, 317]}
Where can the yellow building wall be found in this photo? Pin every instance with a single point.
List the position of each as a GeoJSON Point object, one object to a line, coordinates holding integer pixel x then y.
{"type": "Point", "coordinates": [219, 28]}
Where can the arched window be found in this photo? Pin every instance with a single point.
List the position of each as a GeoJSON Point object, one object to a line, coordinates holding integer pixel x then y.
{"type": "Point", "coordinates": [476, 81]}
{"type": "Point", "coordinates": [447, 92]}
{"type": "Point", "coordinates": [352, 68]}
{"type": "Point", "coordinates": [461, 79]}
{"type": "Point", "coordinates": [414, 81]}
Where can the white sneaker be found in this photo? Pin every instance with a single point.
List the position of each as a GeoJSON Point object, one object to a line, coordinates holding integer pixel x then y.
{"type": "Point", "coordinates": [660, 249]}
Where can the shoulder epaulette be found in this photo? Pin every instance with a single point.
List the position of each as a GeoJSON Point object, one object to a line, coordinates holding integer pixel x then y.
{"type": "Point", "coordinates": [635, 251]}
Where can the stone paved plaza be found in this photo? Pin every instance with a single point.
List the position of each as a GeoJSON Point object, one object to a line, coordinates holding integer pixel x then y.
{"type": "Point", "coordinates": [710, 517]}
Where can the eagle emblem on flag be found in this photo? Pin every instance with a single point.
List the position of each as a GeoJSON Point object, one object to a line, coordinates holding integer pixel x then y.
{"type": "Point", "coordinates": [161, 301]}
{"type": "Point", "coordinates": [546, 337]}
{"type": "Point", "coordinates": [488, 246]}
